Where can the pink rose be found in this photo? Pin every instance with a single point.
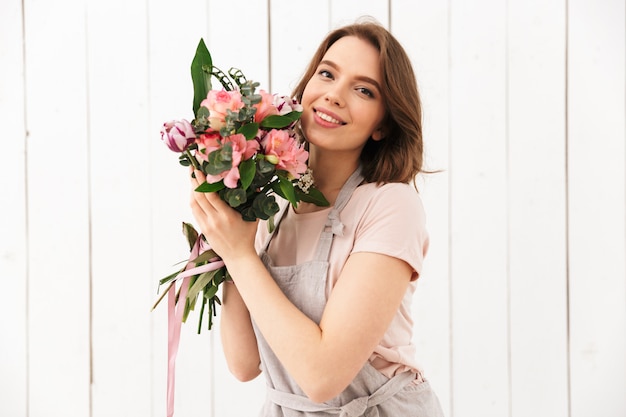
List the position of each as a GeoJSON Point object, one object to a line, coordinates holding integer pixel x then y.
{"type": "Point", "coordinates": [283, 150]}
{"type": "Point", "coordinates": [265, 107]}
{"type": "Point", "coordinates": [242, 150]}
{"type": "Point", "coordinates": [178, 135]}
{"type": "Point", "coordinates": [219, 102]}
{"type": "Point", "coordinates": [207, 143]}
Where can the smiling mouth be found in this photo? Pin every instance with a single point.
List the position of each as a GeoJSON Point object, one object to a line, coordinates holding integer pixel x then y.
{"type": "Point", "coordinates": [328, 118]}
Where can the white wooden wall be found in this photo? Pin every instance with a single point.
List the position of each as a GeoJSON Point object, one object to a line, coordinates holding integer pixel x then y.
{"type": "Point", "coordinates": [522, 308]}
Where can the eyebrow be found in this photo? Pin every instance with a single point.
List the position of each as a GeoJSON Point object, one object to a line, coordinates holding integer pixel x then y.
{"type": "Point", "coordinates": [358, 77]}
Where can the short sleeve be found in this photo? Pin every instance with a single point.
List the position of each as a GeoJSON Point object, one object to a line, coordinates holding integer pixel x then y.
{"type": "Point", "coordinates": [393, 223]}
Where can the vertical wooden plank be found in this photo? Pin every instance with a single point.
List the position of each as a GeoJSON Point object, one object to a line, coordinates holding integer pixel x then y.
{"type": "Point", "coordinates": [58, 221]}
{"type": "Point", "coordinates": [13, 266]}
{"type": "Point", "coordinates": [478, 216]}
{"type": "Point", "coordinates": [293, 48]}
{"type": "Point", "coordinates": [345, 12]}
{"type": "Point", "coordinates": [174, 33]}
{"type": "Point", "coordinates": [537, 207]}
{"type": "Point", "coordinates": [120, 187]}
{"type": "Point", "coordinates": [253, 15]}
{"type": "Point", "coordinates": [423, 29]}
{"type": "Point", "coordinates": [596, 179]}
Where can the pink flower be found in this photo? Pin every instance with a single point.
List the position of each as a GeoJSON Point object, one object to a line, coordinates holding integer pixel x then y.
{"type": "Point", "coordinates": [283, 150]}
{"type": "Point", "coordinates": [219, 102]}
{"type": "Point", "coordinates": [242, 150]}
{"type": "Point", "coordinates": [178, 135]}
{"type": "Point", "coordinates": [286, 105]}
{"type": "Point", "coordinates": [265, 107]}
{"type": "Point", "coordinates": [207, 143]}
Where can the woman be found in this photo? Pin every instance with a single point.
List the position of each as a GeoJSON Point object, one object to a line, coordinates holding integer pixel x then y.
{"type": "Point", "coordinates": [325, 309]}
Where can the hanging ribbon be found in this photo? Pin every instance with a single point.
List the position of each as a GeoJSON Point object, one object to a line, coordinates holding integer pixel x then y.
{"type": "Point", "coordinates": [175, 312]}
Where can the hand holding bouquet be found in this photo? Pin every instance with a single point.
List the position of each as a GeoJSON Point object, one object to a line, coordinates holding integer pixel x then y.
{"type": "Point", "coordinates": [246, 145]}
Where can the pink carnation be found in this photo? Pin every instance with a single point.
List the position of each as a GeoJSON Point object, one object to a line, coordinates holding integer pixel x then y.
{"type": "Point", "coordinates": [285, 152]}
{"type": "Point", "coordinates": [242, 150]}
{"type": "Point", "coordinates": [219, 102]}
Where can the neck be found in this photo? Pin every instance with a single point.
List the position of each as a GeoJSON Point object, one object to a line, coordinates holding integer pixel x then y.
{"type": "Point", "coordinates": [331, 171]}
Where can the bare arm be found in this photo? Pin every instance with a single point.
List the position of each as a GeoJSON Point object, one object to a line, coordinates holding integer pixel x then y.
{"type": "Point", "coordinates": [324, 359]}
{"type": "Point", "coordinates": [238, 338]}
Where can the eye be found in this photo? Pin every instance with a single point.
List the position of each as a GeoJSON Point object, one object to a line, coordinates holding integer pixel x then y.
{"type": "Point", "coordinates": [325, 74]}
{"type": "Point", "coordinates": [366, 91]}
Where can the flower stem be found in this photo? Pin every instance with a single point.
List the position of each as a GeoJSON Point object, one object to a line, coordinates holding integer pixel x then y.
{"type": "Point", "coordinates": [193, 160]}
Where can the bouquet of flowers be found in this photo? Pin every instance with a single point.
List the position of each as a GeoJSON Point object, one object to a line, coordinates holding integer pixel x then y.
{"type": "Point", "coordinates": [245, 144]}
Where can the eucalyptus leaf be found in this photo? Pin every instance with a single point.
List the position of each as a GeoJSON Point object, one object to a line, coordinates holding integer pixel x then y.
{"type": "Point", "coordinates": [220, 160]}
{"type": "Point", "coordinates": [201, 68]}
{"type": "Point", "coordinates": [203, 112]}
{"type": "Point", "coordinates": [235, 197]}
{"type": "Point", "coordinates": [264, 166]}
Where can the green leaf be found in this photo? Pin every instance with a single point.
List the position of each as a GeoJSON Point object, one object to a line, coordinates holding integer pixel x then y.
{"type": "Point", "coordinates": [249, 130]}
{"type": "Point", "coordinates": [169, 277]}
{"type": "Point", "coordinates": [205, 257]}
{"type": "Point", "coordinates": [287, 189]}
{"type": "Point", "coordinates": [210, 291]}
{"type": "Point", "coordinates": [202, 281]}
{"type": "Point", "coordinates": [247, 169]}
{"type": "Point", "coordinates": [235, 197]}
{"type": "Point", "coordinates": [314, 196]}
{"type": "Point", "coordinates": [237, 76]}
{"type": "Point", "coordinates": [205, 187]}
{"type": "Point", "coordinates": [223, 79]}
{"type": "Point", "coordinates": [201, 69]}
{"type": "Point", "coordinates": [264, 206]}
{"type": "Point", "coordinates": [220, 160]}
{"type": "Point", "coordinates": [294, 115]}
{"type": "Point", "coordinates": [264, 166]}
{"type": "Point", "coordinates": [190, 233]}
{"type": "Point", "coordinates": [278, 122]}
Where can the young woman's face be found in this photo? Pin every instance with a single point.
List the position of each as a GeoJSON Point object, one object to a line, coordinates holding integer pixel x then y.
{"type": "Point", "coordinates": [342, 102]}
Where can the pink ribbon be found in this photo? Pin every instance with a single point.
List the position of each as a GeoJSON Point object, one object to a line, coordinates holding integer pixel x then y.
{"type": "Point", "coordinates": [175, 313]}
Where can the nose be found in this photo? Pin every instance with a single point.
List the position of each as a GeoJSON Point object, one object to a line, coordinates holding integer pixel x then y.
{"type": "Point", "coordinates": [334, 96]}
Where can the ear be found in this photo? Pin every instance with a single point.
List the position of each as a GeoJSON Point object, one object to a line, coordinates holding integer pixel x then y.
{"type": "Point", "coordinates": [378, 134]}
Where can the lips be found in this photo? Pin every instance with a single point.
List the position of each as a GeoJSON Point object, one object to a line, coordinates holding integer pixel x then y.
{"type": "Point", "coordinates": [328, 117]}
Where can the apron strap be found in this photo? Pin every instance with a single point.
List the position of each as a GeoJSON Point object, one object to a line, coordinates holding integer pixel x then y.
{"type": "Point", "coordinates": [354, 408]}
{"type": "Point", "coordinates": [333, 224]}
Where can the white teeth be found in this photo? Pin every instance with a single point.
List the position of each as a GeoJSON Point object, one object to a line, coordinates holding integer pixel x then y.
{"type": "Point", "coordinates": [327, 118]}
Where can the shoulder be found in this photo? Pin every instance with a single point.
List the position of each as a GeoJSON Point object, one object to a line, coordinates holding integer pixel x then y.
{"type": "Point", "coordinates": [395, 199]}
{"type": "Point", "coordinates": [389, 219]}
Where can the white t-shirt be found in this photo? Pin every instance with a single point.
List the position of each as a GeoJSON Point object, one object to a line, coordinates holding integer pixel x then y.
{"type": "Point", "coordinates": [387, 219]}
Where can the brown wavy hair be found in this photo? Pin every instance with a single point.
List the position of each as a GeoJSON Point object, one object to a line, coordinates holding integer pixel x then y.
{"type": "Point", "coordinates": [398, 156]}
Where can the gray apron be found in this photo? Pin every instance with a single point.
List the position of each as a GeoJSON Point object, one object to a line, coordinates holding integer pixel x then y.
{"type": "Point", "coordinates": [371, 394]}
